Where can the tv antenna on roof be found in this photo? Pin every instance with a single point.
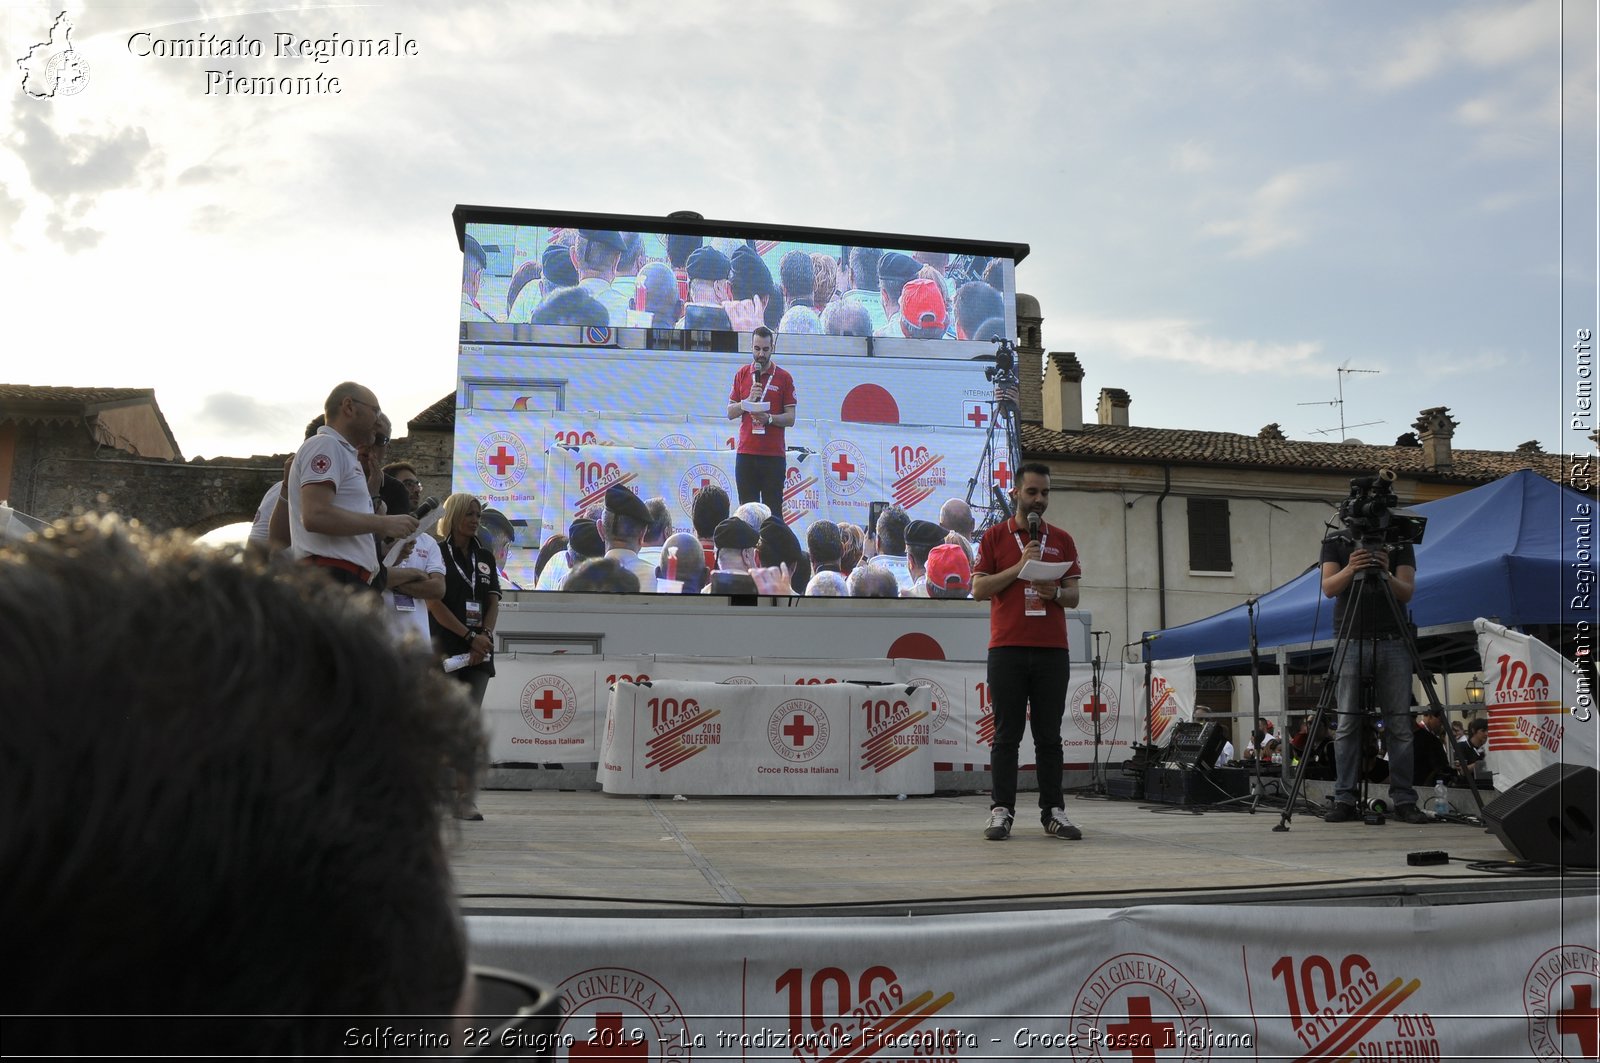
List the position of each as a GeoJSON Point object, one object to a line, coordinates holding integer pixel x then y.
{"type": "Point", "coordinates": [1339, 402]}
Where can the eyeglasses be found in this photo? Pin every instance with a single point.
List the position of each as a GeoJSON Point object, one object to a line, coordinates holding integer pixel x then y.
{"type": "Point", "coordinates": [411, 482]}
{"type": "Point", "coordinates": [375, 410]}
{"type": "Point", "coordinates": [518, 1016]}
{"type": "Point", "coordinates": [380, 441]}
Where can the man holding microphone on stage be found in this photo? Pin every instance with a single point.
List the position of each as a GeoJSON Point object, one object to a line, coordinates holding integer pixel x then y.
{"type": "Point", "coordinates": [759, 464]}
{"type": "Point", "coordinates": [1029, 665]}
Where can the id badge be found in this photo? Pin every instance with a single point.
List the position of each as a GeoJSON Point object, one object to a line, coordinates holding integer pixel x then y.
{"type": "Point", "coordinates": [405, 603]}
{"type": "Point", "coordinates": [1034, 605]}
{"type": "Point", "coordinates": [474, 613]}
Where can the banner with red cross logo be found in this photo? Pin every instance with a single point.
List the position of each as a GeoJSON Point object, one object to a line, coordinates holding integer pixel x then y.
{"type": "Point", "coordinates": [1149, 984]}
{"type": "Point", "coordinates": [720, 738]}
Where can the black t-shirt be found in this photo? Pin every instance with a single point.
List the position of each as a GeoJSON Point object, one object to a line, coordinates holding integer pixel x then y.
{"type": "Point", "coordinates": [1375, 619]}
{"type": "Point", "coordinates": [1429, 761]}
{"type": "Point", "coordinates": [467, 577]}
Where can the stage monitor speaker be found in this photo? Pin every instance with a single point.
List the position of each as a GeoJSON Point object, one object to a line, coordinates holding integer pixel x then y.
{"type": "Point", "coordinates": [1550, 817]}
{"type": "Point", "coordinates": [1195, 744]}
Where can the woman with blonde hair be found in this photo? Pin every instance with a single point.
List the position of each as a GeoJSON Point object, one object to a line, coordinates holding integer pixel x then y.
{"type": "Point", "coordinates": [463, 622]}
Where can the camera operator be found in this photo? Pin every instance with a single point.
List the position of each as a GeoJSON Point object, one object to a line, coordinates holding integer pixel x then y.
{"type": "Point", "coordinates": [1375, 653]}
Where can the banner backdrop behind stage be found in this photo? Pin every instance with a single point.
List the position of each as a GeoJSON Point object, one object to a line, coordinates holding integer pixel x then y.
{"type": "Point", "coordinates": [835, 470]}
{"type": "Point", "coordinates": [1517, 980]}
{"type": "Point", "coordinates": [551, 708]}
{"type": "Point", "coordinates": [1531, 723]}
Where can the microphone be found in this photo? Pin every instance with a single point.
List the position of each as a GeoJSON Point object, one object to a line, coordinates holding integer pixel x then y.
{"type": "Point", "coordinates": [429, 504]}
{"type": "Point", "coordinates": [1033, 527]}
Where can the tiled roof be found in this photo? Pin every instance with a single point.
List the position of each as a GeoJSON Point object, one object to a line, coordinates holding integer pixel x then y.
{"type": "Point", "coordinates": [44, 404]}
{"type": "Point", "coordinates": [441, 414]}
{"type": "Point", "coordinates": [44, 395]}
{"type": "Point", "coordinates": [1181, 446]}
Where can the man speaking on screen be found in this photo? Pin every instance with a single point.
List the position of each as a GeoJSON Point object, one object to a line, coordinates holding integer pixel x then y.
{"type": "Point", "coordinates": [1029, 666]}
{"type": "Point", "coordinates": [763, 401]}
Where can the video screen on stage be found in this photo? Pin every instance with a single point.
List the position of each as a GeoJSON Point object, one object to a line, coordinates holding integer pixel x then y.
{"type": "Point", "coordinates": [670, 408]}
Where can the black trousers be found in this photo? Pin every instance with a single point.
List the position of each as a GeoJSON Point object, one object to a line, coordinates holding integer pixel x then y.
{"type": "Point", "coordinates": [759, 478]}
{"type": "Point", "coordinates": [1027, 688]}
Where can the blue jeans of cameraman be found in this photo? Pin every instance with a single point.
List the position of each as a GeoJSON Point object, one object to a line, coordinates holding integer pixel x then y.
{"type": "Point", "coordinates": [1387, 661]}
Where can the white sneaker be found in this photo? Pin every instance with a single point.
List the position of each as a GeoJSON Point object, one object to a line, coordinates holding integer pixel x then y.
{"type": "Point", "coordinates": [1057, 825]}
{"type": "Point", "coordinates": [999, 828]}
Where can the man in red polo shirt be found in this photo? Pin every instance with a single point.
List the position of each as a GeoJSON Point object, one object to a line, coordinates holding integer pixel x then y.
{"type": "Point", "coordinates": [758, 466]}
{"type": "Point", "coordinates": [1029, 666]}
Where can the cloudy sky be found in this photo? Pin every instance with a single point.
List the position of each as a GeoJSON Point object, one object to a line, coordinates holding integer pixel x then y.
{"type": "Point", "coordinates": [1226, 201]}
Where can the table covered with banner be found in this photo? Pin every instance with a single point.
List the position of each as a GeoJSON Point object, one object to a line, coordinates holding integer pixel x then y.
{"type": "Point", "coordinates": [544, 708]}
{"type": "Point", "coordinates": [743, 739]}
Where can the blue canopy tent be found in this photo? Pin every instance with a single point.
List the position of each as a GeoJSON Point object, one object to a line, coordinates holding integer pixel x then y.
{"type": "Point", "coordinates": [1509, 551]}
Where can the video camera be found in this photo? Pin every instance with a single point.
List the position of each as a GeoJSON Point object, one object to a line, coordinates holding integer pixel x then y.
{"type": "Point", "coordinates": [1003, 375]}
{"type": "Point", "coordinates": [1371, 517]}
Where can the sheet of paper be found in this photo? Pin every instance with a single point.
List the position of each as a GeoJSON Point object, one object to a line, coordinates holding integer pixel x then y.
{"type": "Point", "coordinates": [1044, 571]}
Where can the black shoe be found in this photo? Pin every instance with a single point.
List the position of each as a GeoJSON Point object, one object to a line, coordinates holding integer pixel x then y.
{"type": "Point", "coordinates": [1343, 813]}
{"type": "Point", "coordinates": [467, 809]}
{"type": "Point", "coordinates": [999, 828]}
{"type": "Point", "coordinates": [1057, 825]}
{"type": "Point", "coordinates": [1411, 814]}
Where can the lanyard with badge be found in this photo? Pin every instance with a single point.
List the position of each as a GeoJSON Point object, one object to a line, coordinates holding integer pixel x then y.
{"type": "Point", "coordinates": [472, 607]}
{"type": "Point", "coordinates": [1032, 604]}
{"type": "Point", "coordinates": [403, 603]}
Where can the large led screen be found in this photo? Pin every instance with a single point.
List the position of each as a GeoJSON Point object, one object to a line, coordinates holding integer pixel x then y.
{"type": "Point", "coordinates": [596, 358]}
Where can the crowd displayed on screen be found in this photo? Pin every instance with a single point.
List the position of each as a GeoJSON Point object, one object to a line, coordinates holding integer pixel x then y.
{"type": "Point", "coordinates": [627, 546]}
{"type": "Point", "coordinates": [608, 278]}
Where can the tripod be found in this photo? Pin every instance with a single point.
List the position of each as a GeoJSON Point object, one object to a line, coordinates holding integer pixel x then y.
{"type": "Point", "coordinates": [1258, 789]}
{"type": "Point", "coordinates": [1097, 782]}
{"type": "Point", "coordinates": [1370, 590]}
{"type": "Point", "coordinates": [1002, 432]}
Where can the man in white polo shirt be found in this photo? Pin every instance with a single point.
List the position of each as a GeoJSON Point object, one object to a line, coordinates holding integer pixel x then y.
{"type": "Point", "coordinates": [331, 520]}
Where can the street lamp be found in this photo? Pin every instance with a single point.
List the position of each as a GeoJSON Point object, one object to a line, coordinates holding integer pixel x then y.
{"type": "Point", "coordinates": [1475, 691]}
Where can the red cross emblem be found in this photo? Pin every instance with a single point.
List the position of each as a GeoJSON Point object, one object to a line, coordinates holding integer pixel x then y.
{"type": "Point", "coordinates": [798, 730]}
{"type": "Point", "coordinates": [1003, 476]}
{"type": "Point", "coordinates": [548, 703]}
{"type": "Point", "coordinates": [1094, 706]}
{"type": "Point", "coordinates": [1582, 1021]}
{"type": "Point", "coordinates": [977, 417]}
{"type": "Point", "coordinates": [502, 459]}
{"type": "Point", "coordinates": [610, 1041]}
{"type": "Point", "coordinates": [1139, 1036]}
{"type": "Point", "coordinates": [843, 466]}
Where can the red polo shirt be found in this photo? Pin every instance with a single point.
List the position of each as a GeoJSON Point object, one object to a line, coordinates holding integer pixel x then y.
{"type": "Point", "coordinates": [779, 393]}
{"type": "Point", "coordinates": [1009, 622]}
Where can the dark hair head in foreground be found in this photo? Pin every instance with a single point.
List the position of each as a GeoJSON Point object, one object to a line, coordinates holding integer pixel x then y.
{"type": "Point", "coordinates": [219, 794]}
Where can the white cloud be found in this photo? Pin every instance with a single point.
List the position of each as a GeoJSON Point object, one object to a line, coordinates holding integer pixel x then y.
{"type": "Point", "coordinates": [1183, 342]}
{"type": "Point", "coordinates": [1419, 58]}
{"type": "Point", "coordinates": [1193, 157]}
{"type": "Point", "coordinates": [229, 411]}
{"type": "Point", "coordinates": [1446, 364]}
{"type": "Point", "coordinates": [1276, 214]}
{"type": "Point", "coordinates": [1485, 37]}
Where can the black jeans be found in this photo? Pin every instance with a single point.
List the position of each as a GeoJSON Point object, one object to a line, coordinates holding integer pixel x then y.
{"type": "Point", "coordinates": [1023, 678]}
{"type": "Point", "coordinates": [759, 478]}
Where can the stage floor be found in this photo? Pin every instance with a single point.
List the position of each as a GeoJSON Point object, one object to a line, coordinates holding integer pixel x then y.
{"type": "Point", "coordinates": [551, 852]}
